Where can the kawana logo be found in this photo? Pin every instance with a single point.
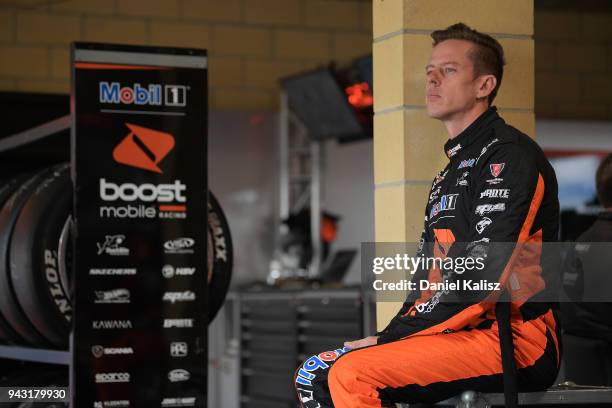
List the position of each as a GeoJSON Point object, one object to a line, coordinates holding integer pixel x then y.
{"type": "Point", "coordinates": [143, 148]}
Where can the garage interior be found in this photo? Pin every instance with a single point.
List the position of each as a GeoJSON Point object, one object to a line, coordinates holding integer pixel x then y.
{"type": "Point", "coordinates": [303, 183]}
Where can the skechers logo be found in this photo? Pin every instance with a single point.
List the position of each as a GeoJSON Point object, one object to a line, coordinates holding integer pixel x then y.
{"type": "Point", "coordinates": [143, 148]}
{"type": "Point", "coordinates": [113, 271]}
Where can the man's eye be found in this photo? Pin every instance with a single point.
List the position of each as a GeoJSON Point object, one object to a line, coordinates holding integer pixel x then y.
{"type": "Point", "coordinates": [447, 70]}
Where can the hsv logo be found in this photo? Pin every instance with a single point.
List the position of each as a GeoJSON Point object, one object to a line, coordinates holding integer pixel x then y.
{"type": "Point", "coordinates": [143, 148]}
{"type": "Point", "coordinates": [496, 168]}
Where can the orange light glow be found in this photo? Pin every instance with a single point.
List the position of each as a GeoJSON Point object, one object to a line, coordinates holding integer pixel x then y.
{"type": "Point", "coordinates": [359, 95]}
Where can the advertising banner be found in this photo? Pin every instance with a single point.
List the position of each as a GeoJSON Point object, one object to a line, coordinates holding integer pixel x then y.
{"type": "Point", "coordinates": [139, 174]}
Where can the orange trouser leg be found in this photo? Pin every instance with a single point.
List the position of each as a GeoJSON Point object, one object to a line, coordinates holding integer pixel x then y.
{"type": "Point", "coordinates": [433, 368]}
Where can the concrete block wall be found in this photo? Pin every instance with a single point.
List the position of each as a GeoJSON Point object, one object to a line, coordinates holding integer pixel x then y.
{"type": "Point", "coordinates": [573, 65]}
{"type": "Point", "coordinates": [251, 43]}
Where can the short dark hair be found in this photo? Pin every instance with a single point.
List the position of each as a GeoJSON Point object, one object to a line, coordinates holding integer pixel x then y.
{"type": "Point", "coordinates": [487, 56]}
{"type": "Point", "coordinates": [603, 181]}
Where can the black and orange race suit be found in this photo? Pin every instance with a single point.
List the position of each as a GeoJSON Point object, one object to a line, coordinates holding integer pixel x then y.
{"type": "Point", "coordinates": [497, 187]}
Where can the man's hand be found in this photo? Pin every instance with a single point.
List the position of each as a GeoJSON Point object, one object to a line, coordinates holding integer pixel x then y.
{"type": "Point", "coordinates": [356, 344]}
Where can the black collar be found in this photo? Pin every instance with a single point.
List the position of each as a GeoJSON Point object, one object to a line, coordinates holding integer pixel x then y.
{"type": "Point", "coordinates": [471, 133]}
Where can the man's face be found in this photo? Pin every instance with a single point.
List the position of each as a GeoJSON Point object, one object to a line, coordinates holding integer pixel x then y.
{"type": "Point", "coordinates": [451, 87]}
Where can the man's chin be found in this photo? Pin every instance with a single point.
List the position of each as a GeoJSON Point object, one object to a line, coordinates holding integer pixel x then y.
{"type": "Point", "coordinates": [435, 113]}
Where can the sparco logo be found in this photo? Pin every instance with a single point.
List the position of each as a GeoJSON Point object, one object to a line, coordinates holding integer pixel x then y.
{"type": "Point", "coordinates": [168, 271]}
{"type": "Point", "coordinates": [111, 324]}
{"type": "Point", "coordinates": [178, 323]}
{"type": "Point", "coordinates": [112, 296]}
{"type": "Point", "coordinates": [99, 351]}
{"type": "Point", "coordinates": [112, 246]}
{"type": "Point", "coordinates": [178, 402]}
{"type": "Point", "coordinates": [103, 378]}
{"type": "Point", "coordinates": [113, 92]}
{"type": "Point", "coordinates": [173, 297]}
{"type": "Point", "coordinates": [112, 404]}
{"type": "Point", "coordinates": [179, 246]}
{"type": "Point", "coordinates": [56, 289]}
{"type": "Point", "coordinates": [179, 375]}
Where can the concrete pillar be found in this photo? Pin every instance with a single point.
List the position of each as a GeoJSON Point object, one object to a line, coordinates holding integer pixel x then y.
{"type": "Point", "coordinates": [408, 145]}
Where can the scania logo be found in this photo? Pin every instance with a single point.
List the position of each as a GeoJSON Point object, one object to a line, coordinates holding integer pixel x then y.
{"type": "Point", "coordinates": [99, 351]}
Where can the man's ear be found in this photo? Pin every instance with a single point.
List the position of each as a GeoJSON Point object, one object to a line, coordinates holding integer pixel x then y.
{"type": "Point", "coordinates": [486, 85]}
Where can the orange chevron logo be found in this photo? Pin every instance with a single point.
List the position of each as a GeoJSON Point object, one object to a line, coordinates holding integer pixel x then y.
{"type": "Point", "coordinates": [143, 148]}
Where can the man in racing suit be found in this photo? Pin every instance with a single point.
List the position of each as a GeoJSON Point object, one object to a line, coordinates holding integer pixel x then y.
{"type": "Point", "coordinates": [497, 187]}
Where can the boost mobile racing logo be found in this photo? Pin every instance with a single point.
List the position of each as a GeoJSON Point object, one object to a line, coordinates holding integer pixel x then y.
{"type": "Point", "coordinates": [174, 95]}
{"type": "Point", "coordinates": [143, 148]}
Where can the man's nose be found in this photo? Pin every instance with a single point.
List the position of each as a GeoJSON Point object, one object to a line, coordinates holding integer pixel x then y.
{"type": "Point", "coordinates": [433, 79]}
